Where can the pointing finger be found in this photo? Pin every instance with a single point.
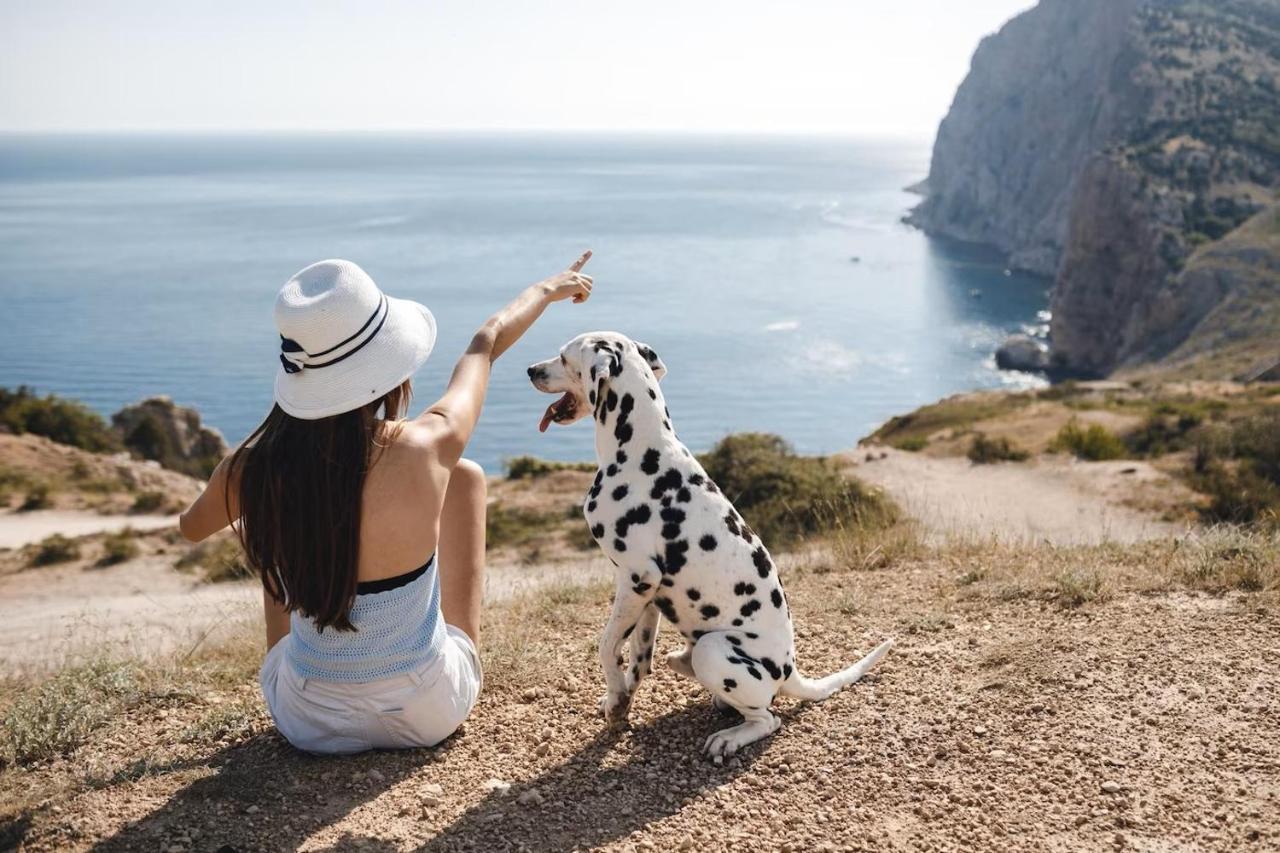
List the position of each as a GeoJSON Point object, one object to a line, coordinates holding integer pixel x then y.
{"type": "Point", "coordinates": [581, 262]}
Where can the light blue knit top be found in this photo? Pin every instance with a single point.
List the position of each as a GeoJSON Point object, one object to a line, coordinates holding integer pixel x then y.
{"type": "Point", "coordinates": [397, 631]}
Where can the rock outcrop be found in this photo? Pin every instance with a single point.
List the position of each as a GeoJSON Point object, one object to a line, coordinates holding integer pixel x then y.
{"type": "Point", "coordinates": [1108, 142]}
{"type": "Point", "coordinates": [1022, 352]}
{"type": "Point", "coordinates": [159, 429]}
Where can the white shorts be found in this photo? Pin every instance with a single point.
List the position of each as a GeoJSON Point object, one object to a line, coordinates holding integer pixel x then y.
{"type": "Point", "coordinates": [419, 708]}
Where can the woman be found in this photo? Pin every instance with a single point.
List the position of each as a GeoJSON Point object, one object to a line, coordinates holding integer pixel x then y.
{"type": "Point", "coordinates": [367, 529]}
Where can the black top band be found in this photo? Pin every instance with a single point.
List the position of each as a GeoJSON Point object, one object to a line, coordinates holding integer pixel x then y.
{"type": "Point", "coordinates": [388, 584]}
{"type": "Point", "coordinates": [290, 346]}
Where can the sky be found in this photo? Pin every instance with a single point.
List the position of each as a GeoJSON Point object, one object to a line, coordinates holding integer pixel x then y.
{"type": "Point", "coordinates": [791, 66]}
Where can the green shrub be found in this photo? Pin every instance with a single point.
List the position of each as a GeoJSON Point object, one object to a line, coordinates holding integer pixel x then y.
{"type": "Point", "coordinates": [55, 549]}
{"type": "Point", "coordinates": [1237, 466]}
{"type": "Point", "coordinates": [149, 502]}
{"type": "Point", "coordinates": [119, 547]}
{"type": "Point", "coordinates": [984, 451]}
{"type": "Point", "coordinates": [787, 497]}
{"type": "Point", "coordinates": [63, 421]}
{"type": "Point", "coordinates": [1164, 432]}
{"type": "Point", "coordinates": [912, 443]}
{"type": "Point", "coordinates": [522, 467]}
{"type": "Point", "coordinates": [1094, 443]}
{"type": "Point", "coordinates": [513, 526]}
{"type": "Point", "coordinates": [221, 559]}
{"type": "Point", "coordinates": [38, 497]}
{"type": "Point", "coordinates": [55, 717]}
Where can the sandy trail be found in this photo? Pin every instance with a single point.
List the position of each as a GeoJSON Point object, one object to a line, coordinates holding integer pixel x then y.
{"type": "Point", "coordinates": [1049, 499]}
{"type": "Point", "coordinates": [145, 608]}
{"type": "Point", "coordinates": [24, 528]}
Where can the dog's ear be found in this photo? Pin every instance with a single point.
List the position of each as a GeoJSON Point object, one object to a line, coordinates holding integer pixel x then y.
{"type": "Point", "coordinates": [655, 363]}
{"type": "Point", "coordinates": [603, 363]}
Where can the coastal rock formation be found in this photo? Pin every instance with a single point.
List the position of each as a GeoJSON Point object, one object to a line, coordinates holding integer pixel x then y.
{"type": "Point", "coordinates": [1108, 142]}
{"type": "Point", "coordinates": [1022, 352]}
{"type": "Point", "coordinates": [159, 429]}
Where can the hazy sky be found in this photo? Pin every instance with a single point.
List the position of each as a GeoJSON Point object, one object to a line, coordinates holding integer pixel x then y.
{"type": "Point", "coordinates": [852, 66]}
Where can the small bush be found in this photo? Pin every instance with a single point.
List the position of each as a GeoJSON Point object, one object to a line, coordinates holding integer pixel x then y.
{"type": "Point", "coordinates": [1094, 443]}
{"type": "Point", "coordinates": [63, 421]}
{"type": "Point", "coordinates": [531, 467]}
{"type": "Point", "coordinates": [55, 549]}
{"type": "Point", "coordinates": [38, 497]}
{"type": "Point", "coordinates": [150, 501]}
{"type": "Point", "coordinates": [221, 559]}
{"type": "Point", "coordinates": [55, 717]}
{"type": "Point", "coordinates": [912, 443]}
{"type": "Point", "coordinates": [1162, 434]}
{"type": "Point", "coordinates": [787, 497]}
{"type": "Point", "coordinates": [514, 526]}
{"type": "Point", "coordinates": [1238, 466]}
{"type": "Point", "coordinates": [984, 451]}
{"type": "Point", "coordinates": [119, 547]}
{"type": "Point", "coordinates": [1077, 587]}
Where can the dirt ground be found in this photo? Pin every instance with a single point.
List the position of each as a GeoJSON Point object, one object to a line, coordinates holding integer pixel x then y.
{"type": "Point", "coordinates": [1053, 499]}
{"type": "Point", "coordinates": [1145, 720]}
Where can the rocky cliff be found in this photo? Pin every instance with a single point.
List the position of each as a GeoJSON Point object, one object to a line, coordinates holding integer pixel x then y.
{"type": "Point", "coordinates": [1107, 142]}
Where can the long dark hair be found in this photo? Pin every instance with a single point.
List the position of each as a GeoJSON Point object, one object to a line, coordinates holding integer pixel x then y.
{"type": "Point", "coordinates": [301, 487]}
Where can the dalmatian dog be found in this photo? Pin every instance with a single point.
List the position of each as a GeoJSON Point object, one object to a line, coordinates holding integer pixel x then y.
{"type": "Point", "coordinates": [683, 553]}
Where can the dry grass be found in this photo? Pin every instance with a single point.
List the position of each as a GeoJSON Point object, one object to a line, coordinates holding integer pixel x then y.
{"type": "Point", "coordinates": [218, 559]}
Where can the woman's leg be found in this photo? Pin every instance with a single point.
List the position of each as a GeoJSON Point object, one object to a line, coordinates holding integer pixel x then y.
{"type": "Point", "coordinates": [461, 548]}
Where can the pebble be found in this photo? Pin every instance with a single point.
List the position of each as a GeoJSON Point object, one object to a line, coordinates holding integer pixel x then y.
{"type": "Point", "coordinates": [1110, 787]}
{"type": "Point", "coordinates": [530, 797]}
{"type": "Point", "coordinates": [377, 776]}
{"type": "Point", "coordinates": [979, 730]}
{"type": "Point", "coordinates": [251, 810]}
{"type": "Point", "coordinates": [542, 748]}
{"type": "Point", "coordinates": [497, 786]}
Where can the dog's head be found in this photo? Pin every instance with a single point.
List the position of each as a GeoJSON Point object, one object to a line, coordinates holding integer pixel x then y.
{"type": "Point", "coordinates": [585, 367]}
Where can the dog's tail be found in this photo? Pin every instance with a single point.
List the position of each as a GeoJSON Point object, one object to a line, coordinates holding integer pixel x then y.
{"type": "Point", "coordinates": [817, 689]}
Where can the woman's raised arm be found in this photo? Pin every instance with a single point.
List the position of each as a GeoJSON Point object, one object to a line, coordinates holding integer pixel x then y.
{"type": "Point", "coordinates": [457, 412]}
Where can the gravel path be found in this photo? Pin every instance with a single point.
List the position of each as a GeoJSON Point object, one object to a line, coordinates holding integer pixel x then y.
{"type": "Point", "coordinates": [1049, 499]}
{"type": "Point", "coordinates": [23, 528]}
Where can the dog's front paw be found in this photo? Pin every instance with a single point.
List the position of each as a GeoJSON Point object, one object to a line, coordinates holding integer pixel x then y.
{"type": "Point", "coordinates": [615, 708]}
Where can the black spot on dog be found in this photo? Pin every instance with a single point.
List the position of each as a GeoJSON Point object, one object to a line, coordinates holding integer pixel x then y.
{"type": "Point", "coordinates": [623, 432]}
{"type": "Point", "coordinates": [666, 425]}
{"type": "Point", "coordinates": [693, 594]}
{"type": "Point", "coordinates": [591, 506]}
{"type": "Point", "coordinates": [635, 671]}
{"type": "Point", "coordinates": [698, 635]}
{"type": "Point", "coordinates": [620, 492]}
{"type": "Point", "coordinates": [666, 608]}
{"type": "Point", "coordinates": [709, 611]}
{"type": "Point", "coordinates": [737, 623]}
{"type": "Point", "coordinates": [683, 496]}
{"type": "Point", "coordinates": [696, 479]}
{"type": "Point", "coordinates": [747, 532]}
{"type": "Point", "coordinates": [707, 542]}
{"type": "Point", "coordinates": [596, 484]}
{"type": "Point", "coordinates": [666, 502]}
{"type": "Point", "coordinates": [729, 684]}
{"type": "Point", "coordinates": [776, 597]}
{"type": "Point", "coordinates": [597, 531]}
{"type": "Point", "coordinates": [611, 471]}
{"type": "Point", "coordinates": [734, 639]}
{"type": "Point", "coordinates": [772, 668]}
{"type": "Point", "coordinates": [611, 401]}
{"type": "Point", "coordinates": [754, 673]}
{"type": "Point", "coordinates": [761, 559]}
{"type": "Point", "coordinates": [649, 464]}
{"type": "Point", "coordinates": [744, 588]}
{"type": "Point", "coordinates": [591, 395]}
{"type": "Point", "coordinates": [641, 588]}
{"type": "Point", "coordinates": [627, 633]}
{"type": "Point", "coordinates": [622, 458]}
{"type": "Point", "coordinates": [627, 403]}
{"type": "Point", "coordinates": [653, 395]}
{"type": "Point", "coordinates": [619, 545]}
{"type": "Point", "coordinates": [672, 519]}
{"type": "Point", "coordinates": [673, 559]}
{"type": "Point", "coordinates": [667, 582]}
{"type": "Point", "coordinates": [731, 522]}
{"type": "Point", "coordinates": [646, 635]}
{"type": "Point", "coordinates": [786, 671]}
{"type": "Point", "coordinates": [750, 607]}
{"type": "Point", "coordinates": [673, 479]}
{"type": "Point", "coordinates": [620, 660]}
{"type": "Point", "coordinates": [636, 515]}
{"type": "Point", "coordinates": [752, 635]}
{"type": "Point", "coordinates": [711, 487]}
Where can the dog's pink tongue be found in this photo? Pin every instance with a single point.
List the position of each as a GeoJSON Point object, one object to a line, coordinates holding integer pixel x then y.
{"type": "Point", "coordinates": [549, 415]}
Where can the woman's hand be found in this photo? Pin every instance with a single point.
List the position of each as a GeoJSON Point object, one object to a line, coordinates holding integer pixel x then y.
{"type": "Point", "coordinates": [570, 284]}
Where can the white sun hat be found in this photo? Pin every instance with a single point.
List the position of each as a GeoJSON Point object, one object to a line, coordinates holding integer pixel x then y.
{"type": "Point", "coordinates": [343, 342]}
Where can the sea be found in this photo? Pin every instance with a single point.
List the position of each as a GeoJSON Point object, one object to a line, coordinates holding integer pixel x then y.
{"type": "Point", "coordinates": [773, 275]}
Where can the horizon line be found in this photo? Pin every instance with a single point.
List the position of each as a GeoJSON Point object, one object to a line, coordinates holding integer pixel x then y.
{"type": "Point", "coordinates": [494, 131]}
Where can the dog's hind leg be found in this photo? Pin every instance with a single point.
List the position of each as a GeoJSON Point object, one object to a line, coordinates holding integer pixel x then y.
{"type": "Point", "coordinates": [740, 681]}
{"type": "Point", "coordinates": [629, 602]}
{"type": "Point", "coordinates": [643, 639]}
{"type": "Point", "coordinates": [681, 662]}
